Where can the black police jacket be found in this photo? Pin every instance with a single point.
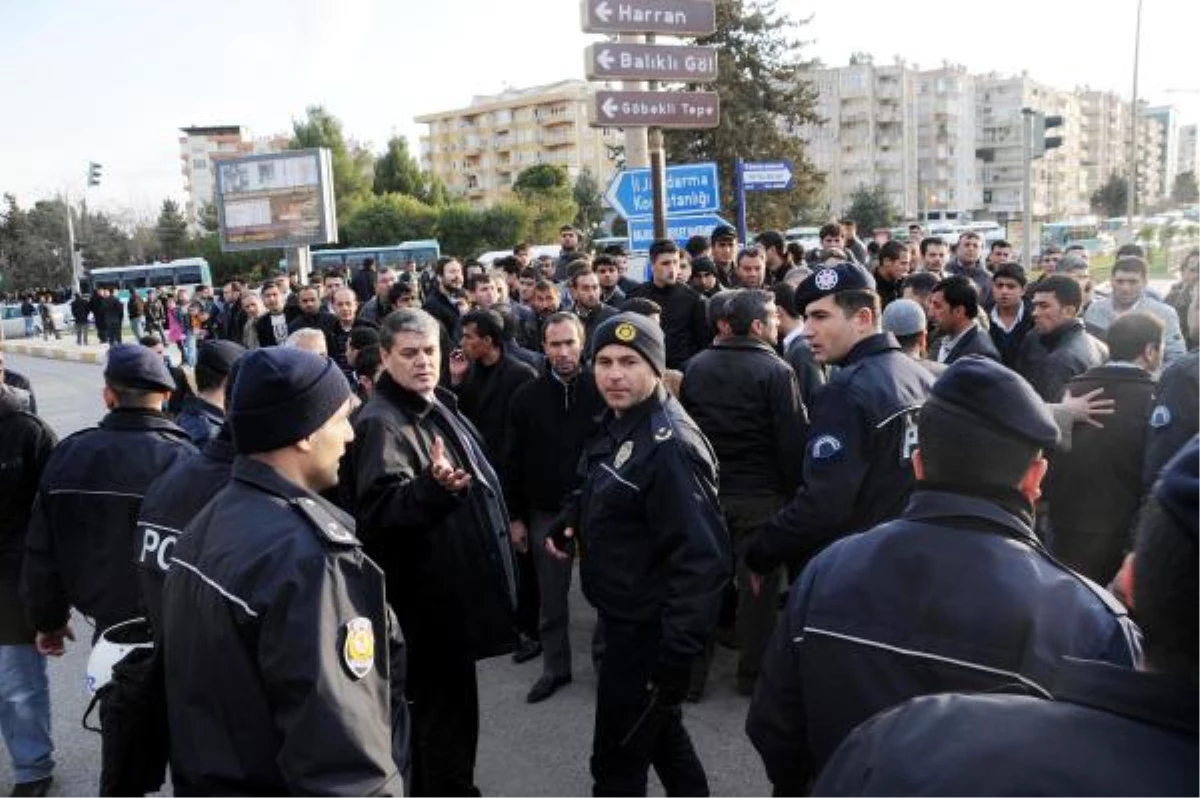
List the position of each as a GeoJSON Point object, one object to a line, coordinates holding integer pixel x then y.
{"type": "Point", "coordinates": [745, 399]}
{"type": "Point", "coordinates": [1050, 361]}
{"type": "Point", "coordinates": [549, 423]}
{"type": "Point", "coordinates": [858, 457]}
{"type": "Point", "coordinates": [684, 319]}
{"type": "Point", "coordinates": [1175, 417]}
{"type": "Point", "coordinates": [81, 539]}
{"type": "Point", "coordinates": [956, 595]}
{"type": "Point", "coordinates": [448, 557]}
{"type": "Point", "coordinates": [656, 547]}
{"type": "Point", "coordinates": [172, 501]}
{"type": "Point", "coordinates": [285, 666]}
{"type": "Point", "coordinates": [1109, 731]}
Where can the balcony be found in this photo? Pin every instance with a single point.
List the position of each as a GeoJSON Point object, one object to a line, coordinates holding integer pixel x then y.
{"type": "Point", "coordinates": [503, 143]}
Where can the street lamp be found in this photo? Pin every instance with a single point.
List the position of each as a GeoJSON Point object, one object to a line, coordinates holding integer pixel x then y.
{"type": "Point", "coordinates": [1133, 108]}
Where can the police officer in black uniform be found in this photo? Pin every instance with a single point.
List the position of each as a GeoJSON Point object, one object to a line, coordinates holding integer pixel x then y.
{"type": "Point", "coordinates": [1108, 731]}
{"type": "Point", "coordinates": [284, 663]}
{"type": "Point", "coordinates": [857, 461]}
{"type": "Point", "coordinates": [81, 538]}
{"type": "Point", "coordinates": [956, 594]}
{"type": "Point", "coordinates": [173, 500]}
{"type": "Point", "coordinates": [657, 560]}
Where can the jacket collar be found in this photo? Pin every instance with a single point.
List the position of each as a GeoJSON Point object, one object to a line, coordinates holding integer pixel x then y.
{"type": "Point", "coordinates": [124, 418]}
{"type": "Point", "coordinates": [220, 449]}
{"type": "Point", "coordinates": [743, 343]}
{"type": "Point", "coordinates": [928, 505]}
{"type": "Point", "coordinates": [207, 408]}
{"type": "Point", "coordinates": [262, 476]}
{"type": "Point", "coordinates": [412, 403]}
{"type": "Point", "coordinates": [1057, 336]}
{"type": "Point", "coordinates": [872, 345]}
{"type": "Point", "coordinates": [620, 428]}
{"type": "Point", "coordinates": [1156, 698]}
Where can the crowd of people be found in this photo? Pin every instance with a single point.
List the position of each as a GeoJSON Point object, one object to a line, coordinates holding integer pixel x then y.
{"type": "Point", "coordinates": [914, 486]}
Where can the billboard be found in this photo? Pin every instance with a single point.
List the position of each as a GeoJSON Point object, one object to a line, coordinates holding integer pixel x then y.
{"type": "Point", "coordinates": [282, 199]}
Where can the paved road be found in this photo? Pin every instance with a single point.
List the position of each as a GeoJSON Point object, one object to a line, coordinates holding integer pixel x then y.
{"type": "Point", "coordinates": [523, 750]}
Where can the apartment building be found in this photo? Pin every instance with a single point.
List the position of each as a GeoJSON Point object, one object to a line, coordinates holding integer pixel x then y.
{"type": "Point", "coordinates": [200, 147]}
{"type": "Point", "coordinates": [1168, 147]}
{"type": "Point", "coordinates": [1105, 136]}
{"type": "Point", "coordinates": [868, 136]}
{"type": "Point", "coordinates": [1187, 149]}
{"type": "Point", "coordinates": [946, 141]}
{"type": "Point", "coordinates": [478, 151]}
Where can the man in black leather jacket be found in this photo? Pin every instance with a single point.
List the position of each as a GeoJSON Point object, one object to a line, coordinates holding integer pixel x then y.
{"type": "Point", "coordinates": [1061, 347]}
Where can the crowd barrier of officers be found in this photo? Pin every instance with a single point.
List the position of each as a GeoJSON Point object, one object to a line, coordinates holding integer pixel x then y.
{"type": "Point", "coordinates": [944, 509]}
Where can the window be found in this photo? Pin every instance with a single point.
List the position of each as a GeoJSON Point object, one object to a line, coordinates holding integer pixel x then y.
{"type": "Point", "coordinates": [199, 163]}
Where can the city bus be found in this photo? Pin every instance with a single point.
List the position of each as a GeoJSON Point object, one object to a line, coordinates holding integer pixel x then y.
{"type": "Point", "coordinates": [181, 273]}
{"type": "Point", "coordinates": [423, 253]}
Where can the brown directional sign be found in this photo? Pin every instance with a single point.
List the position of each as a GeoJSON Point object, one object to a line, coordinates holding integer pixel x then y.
{"type": "Point", "coordinates": [680, 109]}
{"type": "Point", "coordinates": [669, 17]}
{"type": "Point", "coordinates": [619, 61]}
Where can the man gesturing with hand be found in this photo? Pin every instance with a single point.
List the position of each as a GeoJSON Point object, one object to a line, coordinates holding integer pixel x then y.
{"type": "Point", "coordinates": [431, 512]}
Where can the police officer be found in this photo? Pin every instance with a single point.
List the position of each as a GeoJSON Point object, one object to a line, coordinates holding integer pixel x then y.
{"type": "Point", "coordinates": [284, 663]}
{"type": "Point", "coordinates": [658, 558]}
{"type": "Point", "coordinates": [81, 538]}
{"type": "Point", "coordinates": [1109, 731]}
{"type": "Point", "coordinates": [857, 461]}
{"type": "Point", "coordinates": [173, 500]}
{"type": "Point", "coordinates": [953, 595]}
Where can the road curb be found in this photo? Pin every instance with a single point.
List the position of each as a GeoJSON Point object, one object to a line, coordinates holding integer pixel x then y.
{"type": "Point", "coordinates": [52, 352]}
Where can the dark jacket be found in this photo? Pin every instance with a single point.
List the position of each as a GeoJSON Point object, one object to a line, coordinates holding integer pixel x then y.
{"type": "Point", "coordinates": [594, 319]}
{"type": "Point", "coordinates": [1008, 343]}
{"type": "Point", "coordinates": [1108, 731]}
{"type": "Point", "coordinates": [325, 322]}
{"type": "Point", "coordinates": [549, 424]}
{"type": "Point", "coordinates": [135, 308]}
{"type": "Point", "coordinates": [889, 290]}
{"type": "Point", "coordinates": [1094, 490]}
{"type": "Point", "coordinates": [265, 329]}
{"type": "Point", "coordinates": [15, 379]}
{"type": "Point", "coordinates": [286, 670]}
{"type": "Point", "coordinates": [684, 320]}
{"type": "Point", "coordinates": [201, 420]}
{"type": "Point", "coordinates": [613, 297]}
{"type": "Point", "coordinates": [656, 547]}
{"type": "Point", "coordinates": [25, 445]}
{"type": "Point", "coordinates": [442, 308]}
{"type": "Point", "coordinates": [974, 342]}
{"type": "Point", "coordinates": [80, 310]}
{"type": "Point", "coordinates": [955, 595]}
{"type": "Point", "coordinates": [745, 400]}
{"type": "Point", "coordinates": [97, 305]}
{"type": "Point", "coordinates": [447, 556]}
{"type": "Point", "coordinates": [1175, 417]}
{"type": "Point", "coordinates": [979, 275]}
{"type": "Point", "coordinates": [114, 311]}
{"type": "Point", "coordinates": [485, 396]}
{"type": "Point", "coordinates": [810, 377]}
{"type": "Point", "coordinates": [858, 456]}
{"type": "Point", "coordinates": [374, 311]}
{"type": "Point", "coordinates": [171, 503]}
{"type": "Point", "coordinates": [83, 533]}
{"type": "Point", "coordinates": [1050, 361]}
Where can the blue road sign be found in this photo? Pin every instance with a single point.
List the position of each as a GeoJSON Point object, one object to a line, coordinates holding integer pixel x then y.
{"type": "Point", "coordinates": [766, 175]}
{"type": "Point", "coordinates": [679, 229]}
{"type": "Point", "coordinates": [691, 188]}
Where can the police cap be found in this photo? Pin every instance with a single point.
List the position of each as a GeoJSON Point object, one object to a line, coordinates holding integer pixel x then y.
{"type": "Point", "coordinates": [998, 397]}
{"type": "Point", "coordinates": [136, 366]}
{"type": "Point", "coordinates": [830, 279]}
{"type": "Point", "coordinates": [636, 332]}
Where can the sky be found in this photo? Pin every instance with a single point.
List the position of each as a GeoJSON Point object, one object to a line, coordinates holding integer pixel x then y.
{"type": "Point", "coordinates": [113, 81]}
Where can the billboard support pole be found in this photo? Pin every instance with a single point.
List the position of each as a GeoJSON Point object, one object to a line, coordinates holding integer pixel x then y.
{"type": "Point", "coordinates": [299, 260]}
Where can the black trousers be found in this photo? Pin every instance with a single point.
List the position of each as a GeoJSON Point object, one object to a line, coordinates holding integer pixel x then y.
{"type": "Point", "coordinates": [444, 695]}
{"type": "Point", "coordinates": [634, 730]}
{"type": "Point", "coordinates": [529, 598]}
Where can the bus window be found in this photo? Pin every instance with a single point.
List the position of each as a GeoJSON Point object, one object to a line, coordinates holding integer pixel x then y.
{"type": "Point", "coordinates": [323, 262]}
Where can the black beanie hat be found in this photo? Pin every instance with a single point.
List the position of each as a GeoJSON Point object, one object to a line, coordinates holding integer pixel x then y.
{"type": "Point", "coordinates": [283, 395]}
{"type": "Point", "coordinates": [636, 332]}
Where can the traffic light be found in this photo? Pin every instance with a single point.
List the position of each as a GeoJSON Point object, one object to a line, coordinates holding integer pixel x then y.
{"type": "Point", "coordinates": [93, 174]}
{"type": "Point", "coordinates": [1042, 142]}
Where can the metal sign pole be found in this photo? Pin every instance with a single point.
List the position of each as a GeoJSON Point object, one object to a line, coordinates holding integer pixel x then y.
{"type": "Point", "coordinates": [741, 199]}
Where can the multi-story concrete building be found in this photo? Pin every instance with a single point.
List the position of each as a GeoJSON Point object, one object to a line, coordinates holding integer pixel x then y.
{"type": "Point", "coordinates": [868, 136]}
{"type": "Point", "coordinates": [1187, 149]}
{"type": "Point", "coordinates": [199, 147]}
{"type": "Point", "coordinates": [946, 142]}
{"type": "Point", "coordinates": [1151, 133]}
{"type": "Point", "coordinates": [478, 151]}
{"type": "Point", "coordinates": [1168, 148]}
{"type": "Point", "coordinates": [1105, 136]}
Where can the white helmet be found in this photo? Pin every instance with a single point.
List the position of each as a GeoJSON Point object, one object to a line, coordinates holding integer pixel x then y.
{"type": "Point", "coordinates": [112, 646]}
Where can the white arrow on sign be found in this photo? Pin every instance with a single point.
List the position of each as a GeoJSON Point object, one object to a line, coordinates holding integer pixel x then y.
{"type": "Point", "coordinates": [603, 12]}
{"type": "Point", "coordinates": [609, 108]}
{"type": "Point", "coordinates": [605, 59]}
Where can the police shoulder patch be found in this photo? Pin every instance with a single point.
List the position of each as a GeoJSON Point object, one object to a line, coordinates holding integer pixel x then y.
{"type": "Point", "coordinates": [1161, 417]}
{"type": "Point", "coordinates": [825, 447]}
{"type": "Point", "coordinates": [358, 649]}
{"type": "Point", "coordinates": [330, 527]}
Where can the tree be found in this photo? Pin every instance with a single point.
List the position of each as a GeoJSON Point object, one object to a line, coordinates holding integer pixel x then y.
{"type": "Point", "coordinates": [586, 194]}
{"type": "Point", "coordinates": [33, 245]}
{"type": "Point", "coordinates": [465, 231]}
{"type": "Point", "coordinates": [1185, 188]}
{"type": "Point", "coordinates": [352, 163]}
{"type": "Point", "coordinates": [171, 231]}
{"type": "Point", "coordinates": [396, 171]}
{"type": "Point", "coordinates": [546, 190]}
{"type": "Point", "coordinates": [765, 100]}
{"type": "Point", "coordinates": [390, 219]}
{"type": "Point", "coordinates": [1112, 198]}
{"type": "Point", "coordinates": [871, 208]}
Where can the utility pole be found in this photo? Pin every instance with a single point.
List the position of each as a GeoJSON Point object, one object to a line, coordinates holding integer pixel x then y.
{"type": "Point", "coordinates": [1133, 127]}
{"type": "Point", "coordinates": [1027, 187]}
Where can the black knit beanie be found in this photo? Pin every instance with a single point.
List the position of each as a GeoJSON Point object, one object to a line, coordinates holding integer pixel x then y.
{"type": "Point", "coordinates": [281, 396]}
